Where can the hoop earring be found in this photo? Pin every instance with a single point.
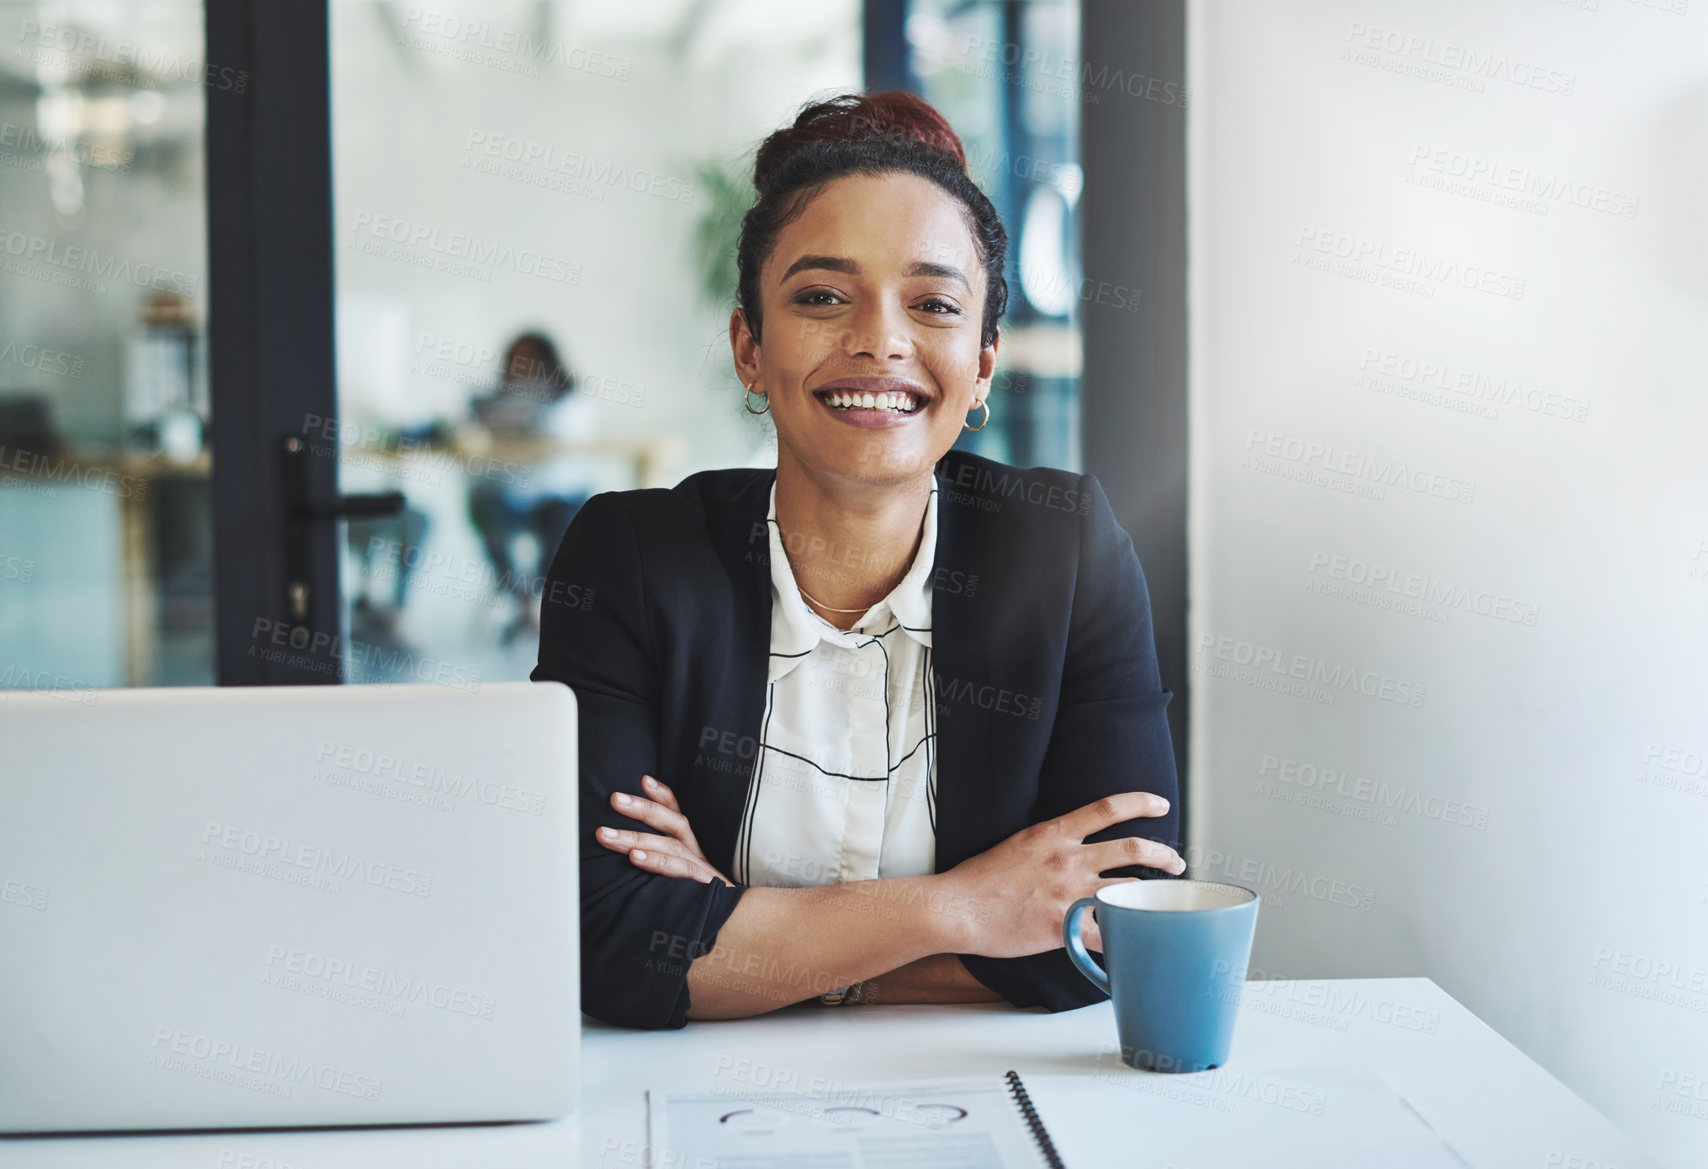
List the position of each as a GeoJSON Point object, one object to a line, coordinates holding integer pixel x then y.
{"type": "Point", "coordinates": [986, 404]}
{"type": "Point", "coordinates": [747, 401]}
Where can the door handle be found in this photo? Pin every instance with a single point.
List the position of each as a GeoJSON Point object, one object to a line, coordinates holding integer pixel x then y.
{"type": "Point", "coordinates": [301, 510]}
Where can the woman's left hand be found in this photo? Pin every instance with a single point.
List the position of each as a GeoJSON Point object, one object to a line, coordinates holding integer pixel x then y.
{"type": "Point", "coordinates": [673, 853]}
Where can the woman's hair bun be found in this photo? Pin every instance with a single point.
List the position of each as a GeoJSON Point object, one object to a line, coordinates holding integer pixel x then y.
{"type": "Point", "coordinates": [858, 117]}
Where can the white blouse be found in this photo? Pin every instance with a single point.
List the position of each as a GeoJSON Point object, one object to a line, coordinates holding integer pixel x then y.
{"type": "Point", "coordinates": [846, 778]}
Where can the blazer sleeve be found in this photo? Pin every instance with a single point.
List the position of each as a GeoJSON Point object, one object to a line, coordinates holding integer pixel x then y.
{"type": "Point", "coordinates": [639, 931]}
{"type": "Point", "coordinates": [1110, 735]}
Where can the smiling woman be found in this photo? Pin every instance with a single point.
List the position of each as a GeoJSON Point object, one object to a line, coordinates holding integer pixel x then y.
{"type": "Point", "coordinates": [862, 728]}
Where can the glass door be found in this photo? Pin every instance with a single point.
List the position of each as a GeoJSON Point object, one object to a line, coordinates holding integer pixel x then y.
{"type": "Point", "coordinates": [105, 520]}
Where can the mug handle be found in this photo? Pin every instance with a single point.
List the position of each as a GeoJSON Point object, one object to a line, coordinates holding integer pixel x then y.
{"type": "Point", "coordinates": [1076, 945]}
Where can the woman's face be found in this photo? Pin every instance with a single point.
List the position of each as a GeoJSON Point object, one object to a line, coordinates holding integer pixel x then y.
{"type": "Point", "coordinates": [872, 303]}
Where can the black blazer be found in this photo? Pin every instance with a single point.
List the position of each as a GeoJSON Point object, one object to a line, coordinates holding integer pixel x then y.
{"type": "Point", "coordinates": [657, 613]}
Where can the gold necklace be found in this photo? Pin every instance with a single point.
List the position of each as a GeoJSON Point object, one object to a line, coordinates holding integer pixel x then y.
{"type": "Point", "coordinates": [822, 605]}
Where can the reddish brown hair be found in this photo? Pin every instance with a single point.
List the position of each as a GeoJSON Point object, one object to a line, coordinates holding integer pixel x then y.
{"type": "Point", "coordinates": [894, 114]}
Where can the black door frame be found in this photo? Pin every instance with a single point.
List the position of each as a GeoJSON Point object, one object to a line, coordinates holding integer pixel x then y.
{"type": "Point", "coordinates": [270, 328]}
{"type": "Point", "coordinates": [1133, 389]}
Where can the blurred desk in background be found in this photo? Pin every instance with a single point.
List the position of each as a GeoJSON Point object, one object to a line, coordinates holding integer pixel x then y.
{"type": "Point", "coordinates": [134, 480]}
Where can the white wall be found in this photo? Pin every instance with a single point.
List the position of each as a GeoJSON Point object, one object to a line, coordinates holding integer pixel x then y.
{"type": "Point", "coordinates": [1554, 474]}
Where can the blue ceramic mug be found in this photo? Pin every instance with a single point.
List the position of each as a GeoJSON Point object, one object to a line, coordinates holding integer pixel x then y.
{"type": "Point", "coordinates": [1177, 953]}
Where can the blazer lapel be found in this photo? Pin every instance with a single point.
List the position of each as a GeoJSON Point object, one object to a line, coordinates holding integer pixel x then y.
{"type": "Point", "coordinates": [735, 677]}
{"type": "Point", "coordinates": [955, 654]}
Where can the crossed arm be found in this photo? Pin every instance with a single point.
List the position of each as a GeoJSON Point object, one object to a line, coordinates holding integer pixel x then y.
{"type": "Point", "coordinates": [899, 935]}
{"type": "Point", "coordinates": [989, 927]}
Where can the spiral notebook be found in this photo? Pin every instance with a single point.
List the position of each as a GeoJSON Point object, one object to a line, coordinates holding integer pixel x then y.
{"type": "Point", "coordinates": [980, 1123]}
{"type": "Point", "coordinates": [1325, 1117]}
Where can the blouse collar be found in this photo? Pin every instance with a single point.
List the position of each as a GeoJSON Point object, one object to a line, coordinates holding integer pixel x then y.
{"type": "Point", "coordinates": [796, 628]}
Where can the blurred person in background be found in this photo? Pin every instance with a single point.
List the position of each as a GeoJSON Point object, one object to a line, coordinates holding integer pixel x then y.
{"type": "Point", "coordinates": [534, 403]}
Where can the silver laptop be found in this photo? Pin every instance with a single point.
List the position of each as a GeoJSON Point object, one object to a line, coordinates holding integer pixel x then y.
{"type": "Point", "coordinates": [282, 906]}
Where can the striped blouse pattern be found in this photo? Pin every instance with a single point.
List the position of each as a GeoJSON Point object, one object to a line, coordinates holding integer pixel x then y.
{"type": "Point", "coordinates": [845, 776]}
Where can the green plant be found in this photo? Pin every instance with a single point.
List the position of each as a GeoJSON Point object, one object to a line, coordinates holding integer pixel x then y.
{"type": "Point", "coordinates": [727, 196]}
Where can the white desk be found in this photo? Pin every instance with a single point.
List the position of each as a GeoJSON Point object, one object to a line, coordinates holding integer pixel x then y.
{"type": "Point", "coordinates": [1499, 1110]}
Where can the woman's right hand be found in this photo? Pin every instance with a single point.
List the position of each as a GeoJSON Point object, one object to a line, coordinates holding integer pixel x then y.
{"type": "Point", "coordinates": [1021, 889]}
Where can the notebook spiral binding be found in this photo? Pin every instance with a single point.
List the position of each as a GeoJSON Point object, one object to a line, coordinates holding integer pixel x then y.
{"type": "Point", "coordinates": [1034, 1122]}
